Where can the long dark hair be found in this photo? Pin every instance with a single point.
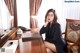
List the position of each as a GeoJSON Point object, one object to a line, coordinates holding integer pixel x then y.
{"type": "Point", "coordinates": [55, 16]}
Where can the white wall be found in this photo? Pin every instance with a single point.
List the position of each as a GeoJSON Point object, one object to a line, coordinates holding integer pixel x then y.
{"type": "Point", "coordinates": [70, 11]}
{"type": "Point", "coordinates": [46, 5]}
{"type": "Point", "coordinates": [63, 10]}
{"type": "Point", "coordinates": [23, 13]}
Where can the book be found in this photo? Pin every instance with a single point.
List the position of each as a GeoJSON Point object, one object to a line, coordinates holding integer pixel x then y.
{"type": "Point", "coordinates": [30, 36]}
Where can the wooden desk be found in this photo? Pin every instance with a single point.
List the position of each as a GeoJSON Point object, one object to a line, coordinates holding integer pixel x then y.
{"type": "Point", "coordinates": [31, 46]}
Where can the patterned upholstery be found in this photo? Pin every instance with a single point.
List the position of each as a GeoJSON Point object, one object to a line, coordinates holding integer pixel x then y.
{"type": "Point", "coordinates": [74, 49]}
{"type": "Point", "coordinates": [73, 34]}
{"type": "Point", "coordinates": [73, 31]}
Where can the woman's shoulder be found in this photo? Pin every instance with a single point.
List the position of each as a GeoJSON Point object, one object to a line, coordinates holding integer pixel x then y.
{"type": "Point", "coordinates": [56, 24]}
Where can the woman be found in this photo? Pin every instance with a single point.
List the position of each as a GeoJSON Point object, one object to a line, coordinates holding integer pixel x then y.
{"type": "Point", "coordinates": [51, 28]}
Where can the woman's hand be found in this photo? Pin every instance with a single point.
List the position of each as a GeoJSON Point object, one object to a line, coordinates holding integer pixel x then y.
{"type": "Point", "coordinates": [47, 21]}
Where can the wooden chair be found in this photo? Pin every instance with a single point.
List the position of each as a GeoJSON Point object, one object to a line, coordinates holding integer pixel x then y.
{"type": "Point", "coordinates": [72, 35]}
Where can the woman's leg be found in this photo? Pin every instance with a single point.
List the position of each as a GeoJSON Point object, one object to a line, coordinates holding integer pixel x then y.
{"type": "Point", "coordinates": [50, 46]}
{"type": "Point", "coordinates": [48, 50]}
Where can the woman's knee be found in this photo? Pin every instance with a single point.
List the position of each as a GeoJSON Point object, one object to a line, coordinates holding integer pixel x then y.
{"type": "Point", "coordinates": [50, 46]}
{"type": "Point", "coordinates": [48, 50]}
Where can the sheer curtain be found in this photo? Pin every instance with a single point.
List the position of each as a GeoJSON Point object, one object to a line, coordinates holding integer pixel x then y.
{"type": "Point", "coordinates": [0, 19]}
{"type": "Point", "coordinates": [4, 16]}
{"type": "Point", "coordinates": [10, 5]}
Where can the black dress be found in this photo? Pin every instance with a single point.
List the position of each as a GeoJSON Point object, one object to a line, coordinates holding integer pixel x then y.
{"type": "Point", "coordinates": [53, 35]}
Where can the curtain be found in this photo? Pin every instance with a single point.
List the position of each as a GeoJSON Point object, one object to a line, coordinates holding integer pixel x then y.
{"type": "Point", "coordinates": [10, 5]}
{"type": "Point", "coordinates": [34, 6]}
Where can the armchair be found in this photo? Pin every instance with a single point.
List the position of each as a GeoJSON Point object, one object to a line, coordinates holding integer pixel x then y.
{"type": "Point", "coordinates": [72, 35]}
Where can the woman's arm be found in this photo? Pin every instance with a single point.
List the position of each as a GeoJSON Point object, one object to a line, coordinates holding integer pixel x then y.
{"type": "Point", "coordinates": [42, 30]}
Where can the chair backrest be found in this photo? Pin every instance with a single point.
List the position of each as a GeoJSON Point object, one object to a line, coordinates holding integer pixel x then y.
{"type": "Point", "coordinates": [72, 30]}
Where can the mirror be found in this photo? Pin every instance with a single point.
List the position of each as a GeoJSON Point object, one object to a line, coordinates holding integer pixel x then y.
{"type": "Point", "coordinates": [6, 18]}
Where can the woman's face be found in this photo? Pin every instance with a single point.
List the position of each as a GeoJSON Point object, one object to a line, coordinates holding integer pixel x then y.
{"type": "Point", "coordinates": [50, 17]}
